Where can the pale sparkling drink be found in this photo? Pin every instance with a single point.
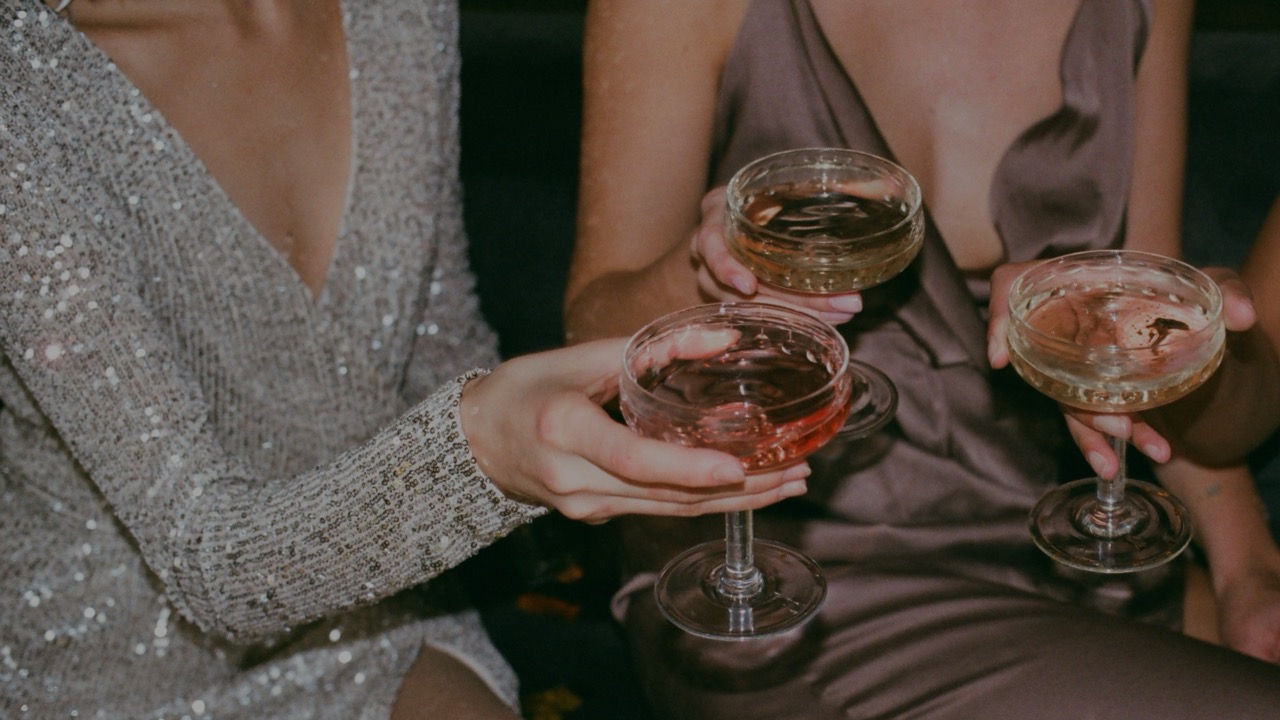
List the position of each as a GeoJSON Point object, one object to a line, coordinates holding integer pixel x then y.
{"type": "Point", "coordinates": [824, 220]}
{"type": "Point", "coordinates": [1141, 348]}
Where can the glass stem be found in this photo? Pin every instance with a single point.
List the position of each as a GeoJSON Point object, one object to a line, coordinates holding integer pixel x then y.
{"type": "Point", "coordinates": [1111, 492]}
{"type": "Point", "coordinates": [1111, 516]}
{"type": "Point", "coordinates": [741, 579]}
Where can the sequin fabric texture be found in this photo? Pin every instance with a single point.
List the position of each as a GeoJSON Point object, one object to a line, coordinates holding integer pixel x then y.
{"type": "Point", "coordinates": [219, 496]}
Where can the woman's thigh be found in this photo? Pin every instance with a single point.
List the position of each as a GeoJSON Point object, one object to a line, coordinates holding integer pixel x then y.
{"type": "Point", "coordinates": [439, 686]}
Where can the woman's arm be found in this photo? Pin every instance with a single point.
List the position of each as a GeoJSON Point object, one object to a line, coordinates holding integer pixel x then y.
{"type": "Point", "coordinates": [1239, 407]}
{"type": "Point", "coordinates": [1261, 272]}
{"type": "Point", "coordinates": [1262, 269]}
{"type": "Point", "coordinates": [239, 553]}
{"type": "Point", "coordinates": [649, 240]}
{"type": "Point", "coordinates": [651, 71]}
{"type": "Point", "coordinates": [1154, 218]}
{"type": "Point", "coordinates": [1244, 564]}
{"type": "Point", "coordinates": [248, 554]}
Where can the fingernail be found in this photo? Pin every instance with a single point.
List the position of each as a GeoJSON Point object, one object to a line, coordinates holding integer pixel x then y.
{"type": "Point", "coordinates": [742, 284]}
{"type": "Point", "coordinates": [1155, 452]}
{"type": "Point", "coordinates": [1112, 425]}
{"type": "Point", "coordinates": [846, 303]}
{"type": "Point", "coordinates": [792, 489]}
{"type": "Point", "coordinates": [1098, 463]}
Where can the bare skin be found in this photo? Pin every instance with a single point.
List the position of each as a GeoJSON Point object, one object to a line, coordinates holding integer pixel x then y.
{"type": "Point", "coordinates": [1240, 606]}
{"type": "Point", "coordinates": [1237, 410]}
{"type": "Point", "coordinates": [270, 89]}
{"type": "Point", "coordinates": [440, 686]}
{"type": "Point", "coordinates": [1260, 270]}
{"type": "Point", "coordinates": [951, 122]}
{"type": "Point", "coordinates": [1226, 420]}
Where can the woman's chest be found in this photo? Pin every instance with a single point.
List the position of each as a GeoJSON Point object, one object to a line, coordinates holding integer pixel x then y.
{"type": "Point", "coordinates": [951, 86]}
{"type": "Point", "coordinates": [261, 96]}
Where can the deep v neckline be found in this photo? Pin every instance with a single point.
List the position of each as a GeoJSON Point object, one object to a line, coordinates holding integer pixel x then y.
{"type": "Point", "coordinates": [1006, 156]}
{"type": "Point", "coordinates": [1078, 140]}
{"type": "Point", "coordinates": [274, 262]}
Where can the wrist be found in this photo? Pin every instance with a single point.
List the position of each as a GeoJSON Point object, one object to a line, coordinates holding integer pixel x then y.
{"type": "Point", "coordinates": [1228, 569]}
{"type": "Point", "coordinates": [473, 424]}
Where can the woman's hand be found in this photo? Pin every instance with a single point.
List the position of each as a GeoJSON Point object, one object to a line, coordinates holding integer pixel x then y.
{"type": "Point", "coordinates": [1249, 609]}
{"type": "Point", "coordinates": [722, 277]}
{"type": "Point", "coordinates": [1231, 529]}
{"type": "Point", "coordinates": [537, 428]}
{"type": "Point", "coordinates": [1092, 431]}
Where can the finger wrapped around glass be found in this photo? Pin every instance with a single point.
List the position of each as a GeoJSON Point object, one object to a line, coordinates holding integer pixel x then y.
{"type": "Point", "coordinates": [825, 221]}
{"type": "Point", "coordinates": [768, 385]}
{"type": "Point", "coordinates": [1114, 331]}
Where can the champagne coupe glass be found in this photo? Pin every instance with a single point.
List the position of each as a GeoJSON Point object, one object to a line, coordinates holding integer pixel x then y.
{"type": "Point", "coordinates": [1114, 331]}
{"type": "Point", "coordinates": [768, 385]}
{"type": "Point", "coordinates": [828, 220]}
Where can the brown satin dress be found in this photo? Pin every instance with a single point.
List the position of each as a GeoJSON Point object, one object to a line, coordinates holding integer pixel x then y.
{"type": "Point", "coordinates": [939, 606]}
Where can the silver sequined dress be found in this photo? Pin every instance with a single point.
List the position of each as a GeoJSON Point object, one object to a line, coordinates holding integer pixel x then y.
{"type": "Point", "coordinates": [214, 490]}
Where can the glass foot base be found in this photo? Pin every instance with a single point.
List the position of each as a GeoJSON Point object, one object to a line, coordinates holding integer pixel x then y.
{"type": "Point", "coordinates": [875, 400]}
{"type": "Point", "coordinates": [1154, 528]}
{"type": "Point", "coordinates": [689, 596]}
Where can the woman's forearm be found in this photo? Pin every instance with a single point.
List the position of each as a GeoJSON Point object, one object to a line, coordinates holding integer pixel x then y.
{"type": "Point", "coordinates": [620, 302]}
{"type": "Point", "coordinates": [1227, 514]}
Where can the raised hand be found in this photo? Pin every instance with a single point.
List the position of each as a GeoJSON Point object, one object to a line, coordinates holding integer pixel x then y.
{"type": "Point", "coordinates": [722, 277]}
{"type": "Point", "coordinates": [537, 427]}
{"type": "Point", "coordinates": [1091, 431]}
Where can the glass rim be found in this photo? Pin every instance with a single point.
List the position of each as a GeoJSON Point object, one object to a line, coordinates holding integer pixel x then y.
{"type": "Point", "coordinates": [786, 318]}
{"type": "Point", "coordinates": [1119, 257]}
{"type": "Point", "coordinates": [912, 192]}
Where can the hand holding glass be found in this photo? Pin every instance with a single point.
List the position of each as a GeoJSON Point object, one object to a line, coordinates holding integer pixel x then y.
{"type": "Point", "coordinates": [768, 385]}
{"type": "Point", "coordinates": [1114, 331]}
{"type": "Point", "coordinates": [828, 220]}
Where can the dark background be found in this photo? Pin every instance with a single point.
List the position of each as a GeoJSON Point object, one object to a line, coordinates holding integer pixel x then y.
{"type": "Point", "coordinates": [521, 116]}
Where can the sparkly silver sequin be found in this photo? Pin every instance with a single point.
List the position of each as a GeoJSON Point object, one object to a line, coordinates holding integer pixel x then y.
{"type": "Point", "coordinates": [256, 461]}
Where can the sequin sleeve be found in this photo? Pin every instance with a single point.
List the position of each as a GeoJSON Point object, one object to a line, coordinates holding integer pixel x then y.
{"type": "Point", "coordinates": [238, 554]}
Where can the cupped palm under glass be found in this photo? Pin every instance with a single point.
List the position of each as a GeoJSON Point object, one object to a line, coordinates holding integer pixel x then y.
{"type": "Point", "coordinates": [1114, 331]}
{"type": "Point", "coordinates": [825, 221]}
{"type": "Point", "coordinates": [768, 385]}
